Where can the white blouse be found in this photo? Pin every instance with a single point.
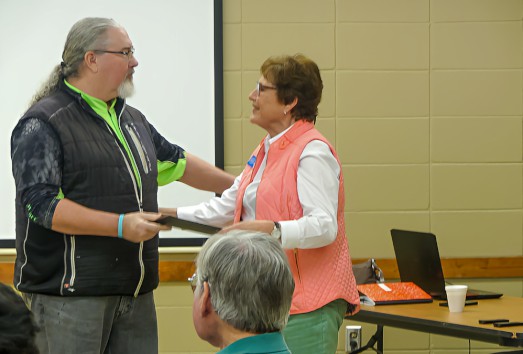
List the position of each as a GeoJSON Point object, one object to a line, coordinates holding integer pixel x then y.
{"type": "Point", "coordinates": [317, 183]}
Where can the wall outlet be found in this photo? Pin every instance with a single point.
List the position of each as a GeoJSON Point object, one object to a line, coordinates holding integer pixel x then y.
{"type": "Point", "coordinates": [352, 338]}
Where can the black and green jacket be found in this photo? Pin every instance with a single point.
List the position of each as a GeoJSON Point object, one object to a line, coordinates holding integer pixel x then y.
{"type": "Point", "coordinates": [90, 165]}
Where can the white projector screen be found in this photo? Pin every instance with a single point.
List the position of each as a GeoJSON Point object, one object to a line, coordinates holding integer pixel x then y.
{"type": "Point", "coordinates": [178, 80]}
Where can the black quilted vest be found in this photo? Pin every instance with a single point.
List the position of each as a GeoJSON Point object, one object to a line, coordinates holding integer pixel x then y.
{"type": "Point", "coordinates": [96, 173]}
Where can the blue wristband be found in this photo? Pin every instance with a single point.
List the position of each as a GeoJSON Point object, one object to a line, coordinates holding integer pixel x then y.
{"type": "Point", "coordinates": [120, 226]}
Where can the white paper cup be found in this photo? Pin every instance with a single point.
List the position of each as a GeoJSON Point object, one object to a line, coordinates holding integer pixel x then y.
{"type": "Point", "coordinates": [456, 295]}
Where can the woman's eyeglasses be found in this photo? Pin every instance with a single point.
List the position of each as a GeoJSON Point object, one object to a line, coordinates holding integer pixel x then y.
{"type": "Point", "coordinates": [261, 87]}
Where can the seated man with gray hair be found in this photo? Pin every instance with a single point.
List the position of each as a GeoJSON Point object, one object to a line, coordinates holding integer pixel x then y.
{"type": "Point", "coordinates": [242, 293]}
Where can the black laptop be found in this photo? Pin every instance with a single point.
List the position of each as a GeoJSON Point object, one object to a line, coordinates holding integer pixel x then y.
{"type": "Point", "coordinates": [418, 261]}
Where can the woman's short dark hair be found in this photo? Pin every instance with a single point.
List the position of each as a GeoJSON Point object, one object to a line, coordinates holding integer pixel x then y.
{"type": "Point", "coordinates": [298, 77]}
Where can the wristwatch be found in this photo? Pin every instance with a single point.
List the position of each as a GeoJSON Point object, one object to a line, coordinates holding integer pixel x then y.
{"type": "Point", "coordinates": [276, 232]}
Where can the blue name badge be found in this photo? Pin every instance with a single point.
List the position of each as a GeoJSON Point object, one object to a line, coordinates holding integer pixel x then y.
{"type": "Point", "coordinates": [251, 161]}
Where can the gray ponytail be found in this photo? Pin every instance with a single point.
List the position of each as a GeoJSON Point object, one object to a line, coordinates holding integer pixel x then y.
{"type": "Point", "coordinates": [86, 34]}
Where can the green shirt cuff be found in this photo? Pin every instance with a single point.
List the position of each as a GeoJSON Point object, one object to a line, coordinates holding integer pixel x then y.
{"type": "Point", "coordinates": [169, 171]}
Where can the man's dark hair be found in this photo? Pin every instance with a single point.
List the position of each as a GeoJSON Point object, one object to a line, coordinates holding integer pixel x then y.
{"type": "Point", "coordinates": [17, 327]}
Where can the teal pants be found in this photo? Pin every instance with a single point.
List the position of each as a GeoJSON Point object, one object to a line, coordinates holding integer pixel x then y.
{"type": "Point", "coordinates": [316, 332]}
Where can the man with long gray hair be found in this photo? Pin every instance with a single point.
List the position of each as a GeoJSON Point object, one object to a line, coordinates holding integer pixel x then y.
{"type": "Point", "coordinates": [87, 169]}
{"type": "Point", "coordinates": [243, 289]}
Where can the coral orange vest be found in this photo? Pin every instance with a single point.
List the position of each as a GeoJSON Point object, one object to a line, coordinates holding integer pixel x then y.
{"type": "Point", "coordinates": [321, 275]}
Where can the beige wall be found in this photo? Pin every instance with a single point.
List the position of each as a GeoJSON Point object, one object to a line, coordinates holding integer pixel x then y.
{"type": "Point", "coordinates": [423, 101]}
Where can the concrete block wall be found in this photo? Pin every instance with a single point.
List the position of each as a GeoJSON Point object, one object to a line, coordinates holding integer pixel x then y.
{"type": "Point", "coordinates": [423, 100]}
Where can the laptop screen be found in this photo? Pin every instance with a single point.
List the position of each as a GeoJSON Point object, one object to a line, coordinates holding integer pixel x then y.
{"type": "Point", "coordinates": [418, 260]}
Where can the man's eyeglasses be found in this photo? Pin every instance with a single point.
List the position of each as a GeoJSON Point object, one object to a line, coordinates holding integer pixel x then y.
{"type": "Point", "coordinates": [194, 281]}
{"type": "Point", "coordinates": [128, 53]}
{"type": "Point", "coordinates": [261, 87]}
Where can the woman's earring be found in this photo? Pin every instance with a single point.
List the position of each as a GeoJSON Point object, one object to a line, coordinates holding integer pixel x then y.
{"type": "Point", "coordinates": [284, 113]}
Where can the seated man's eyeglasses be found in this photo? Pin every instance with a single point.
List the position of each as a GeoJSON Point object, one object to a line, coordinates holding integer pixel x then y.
{"type": "Point", "coordinates": [194, 281]}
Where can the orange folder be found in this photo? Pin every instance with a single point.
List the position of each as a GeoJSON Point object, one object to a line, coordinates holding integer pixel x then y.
{"type": "Point", "coordinates": [394, 293]}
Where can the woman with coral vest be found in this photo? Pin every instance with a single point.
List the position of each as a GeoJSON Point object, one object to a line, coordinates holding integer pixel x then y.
{"type": "Point", "coordinates": [292, 189]}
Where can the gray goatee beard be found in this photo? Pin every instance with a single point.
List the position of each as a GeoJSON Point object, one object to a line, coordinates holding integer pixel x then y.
{"type": "Point", "coordinates": [126, 89]}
